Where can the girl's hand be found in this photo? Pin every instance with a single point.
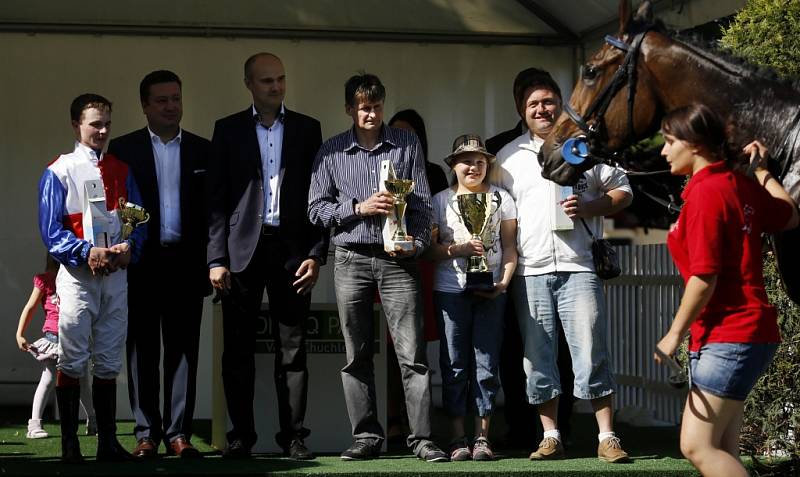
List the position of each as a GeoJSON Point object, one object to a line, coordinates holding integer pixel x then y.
{"type": "Point", "coordinates": [757, 152]}
{"type": "Point", "coordinates": [22, 343]}
{"type": "Point", "coordinates": [499, 289]}
{"type": "Point", "coordinates": [668, 345]}
{"type": "Point", "coordinates": [468, 249]}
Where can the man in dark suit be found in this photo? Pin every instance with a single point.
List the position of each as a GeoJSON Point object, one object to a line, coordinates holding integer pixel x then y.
{"type": "Point", "coordinates": [260, 236]}
{"type": "Point", "coordinates": [166, 287]}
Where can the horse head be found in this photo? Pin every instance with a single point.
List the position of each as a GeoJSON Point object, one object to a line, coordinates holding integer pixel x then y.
{"type": "Point", "coordinates": [600, 118]}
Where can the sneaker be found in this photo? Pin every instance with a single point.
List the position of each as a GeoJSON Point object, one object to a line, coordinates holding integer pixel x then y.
{"type": "Point", "coordinates": [35, 430]}
{"type": "Point", "coordinates": [549, 449]}
{"type": "Point", "coordinates": [361, 450]}
{"type": "Point", "coordinates": [459, 450]}
{"type": "Point", "coordinates": [431, 453]}
{"type": "Point", "coordinates": [481, 450]}
{"type": "Point", "coordinates": [610, 450]}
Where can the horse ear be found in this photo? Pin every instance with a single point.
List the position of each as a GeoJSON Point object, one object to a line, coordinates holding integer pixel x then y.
{"type": "Point", "coordinates": [645, 13]}
{"type": "Point", "coordinates": [624, 16]}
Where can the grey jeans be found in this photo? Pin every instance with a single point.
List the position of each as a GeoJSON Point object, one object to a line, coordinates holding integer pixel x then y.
{"type": "Point", "coordinates": [359, 272]}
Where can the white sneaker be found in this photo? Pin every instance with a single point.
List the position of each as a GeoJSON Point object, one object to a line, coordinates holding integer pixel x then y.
{"type": "Point", "coordinates": [35, 430]}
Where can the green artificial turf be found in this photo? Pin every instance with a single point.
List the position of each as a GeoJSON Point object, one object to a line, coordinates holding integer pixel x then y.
{"type": "Point", "coordinates": [21, 456]}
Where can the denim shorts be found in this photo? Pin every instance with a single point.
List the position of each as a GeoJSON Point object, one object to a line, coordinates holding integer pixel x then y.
{"type": "Point", "coordinates": [730, 370]}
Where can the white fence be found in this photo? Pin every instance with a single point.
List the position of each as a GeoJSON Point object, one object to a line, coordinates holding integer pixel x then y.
{"type": "Point", "coordinates": [641, 304]}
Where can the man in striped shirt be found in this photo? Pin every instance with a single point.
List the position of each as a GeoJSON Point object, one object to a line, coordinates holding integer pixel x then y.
{"type": "Point", "coordinates": [346, 195]}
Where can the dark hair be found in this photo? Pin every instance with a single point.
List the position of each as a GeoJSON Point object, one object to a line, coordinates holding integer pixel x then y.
{"type": "Point", "coordinates": [416, 122]}
{"type": "Point", "coordinates": [533, 78]}
{"type": "Point", "coordinates": [698, 125]}
{"type": "Point", "coordinates": [364, 86]}
{"type": "Point", "coordinates": [156, 77]}
{"type": "Point", "coordinates": [248, 64]}
{"type": "Point", "coordinates": [86, 101]}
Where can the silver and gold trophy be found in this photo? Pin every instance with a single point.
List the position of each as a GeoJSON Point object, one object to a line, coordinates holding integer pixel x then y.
{"type": "Point", "coordinates": [131, 216]}
{"type": "Point", "coordinates": [476, 210]}
{"type": "Point", "coordinates": [400, 188]}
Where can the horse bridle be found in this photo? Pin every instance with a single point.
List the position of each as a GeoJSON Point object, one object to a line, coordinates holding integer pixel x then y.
{"type": "Point", "coordinates": [588, 145]}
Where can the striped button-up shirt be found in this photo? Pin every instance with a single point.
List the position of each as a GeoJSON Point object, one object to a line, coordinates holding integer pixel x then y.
{"type": "Point", "coordinates": [346, 173]}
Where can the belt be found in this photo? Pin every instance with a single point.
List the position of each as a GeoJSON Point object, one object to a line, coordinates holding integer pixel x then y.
{"type": "Point", "coordinates": [370, 249]}
{"type": "Point", "coordinates": [269, 230]}
{"type": "Point", "coordinates": [170, 244]}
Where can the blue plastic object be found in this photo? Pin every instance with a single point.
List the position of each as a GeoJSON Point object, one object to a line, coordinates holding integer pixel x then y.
{"type": "Point", "coordinates": [575, 150]}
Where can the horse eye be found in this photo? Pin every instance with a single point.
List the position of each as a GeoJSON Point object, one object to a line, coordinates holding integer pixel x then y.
{"type": "Point", "coordinates": [589, 72]}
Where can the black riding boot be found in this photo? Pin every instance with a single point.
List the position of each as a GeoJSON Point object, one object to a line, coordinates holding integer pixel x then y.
{"type": "Point", "coordinates": [68, 395]}
{"type": "Point", "coordinates": [104, 395]}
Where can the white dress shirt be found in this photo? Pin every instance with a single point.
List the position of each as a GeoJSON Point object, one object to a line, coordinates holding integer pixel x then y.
{"type": "Point", "coordinates": [270, 145]}
{"type": "Point", "coordinates": [168, 173]}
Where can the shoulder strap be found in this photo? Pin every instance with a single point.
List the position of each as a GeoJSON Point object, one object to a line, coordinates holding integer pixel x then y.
{"type": "Point", "coordinates": [588, 230]}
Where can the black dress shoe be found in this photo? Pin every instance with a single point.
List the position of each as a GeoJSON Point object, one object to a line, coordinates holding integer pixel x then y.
{"type": "Point", "coordinates": [298, 450]}
{"type": "Point", "coordinates": [361, 450]}
{"type": "Point", "coordinates": [236, 450]}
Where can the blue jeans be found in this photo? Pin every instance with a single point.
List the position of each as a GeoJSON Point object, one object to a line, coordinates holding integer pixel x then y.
{"type": "Point", "coordinates": [730, 370]}
{"type": "Point", "coordinates": [576, 300]}
{"type": "Point", "coordinates": [471, 330]}
{"type": "Point", "coordinates": [359, 272]}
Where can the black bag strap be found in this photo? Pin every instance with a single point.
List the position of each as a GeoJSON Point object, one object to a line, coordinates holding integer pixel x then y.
{"type": "Point", "coordinates": [588, 230]}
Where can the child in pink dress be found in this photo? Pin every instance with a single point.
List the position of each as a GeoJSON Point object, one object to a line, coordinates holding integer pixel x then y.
{"type": "Point", "coordinates": [45, 350]}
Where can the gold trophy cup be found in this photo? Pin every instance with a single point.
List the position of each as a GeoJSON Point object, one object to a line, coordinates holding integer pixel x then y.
{"type": "Point", "coordinates": [475, 211]}
{"type": "Point", "coordinates": [400, 188]}
{"type": "Point", "coordinates": [131, 216]}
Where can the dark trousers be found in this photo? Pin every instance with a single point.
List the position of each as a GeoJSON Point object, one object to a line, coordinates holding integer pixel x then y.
{"type": "Point", "coordinates": [163, 307]}
{"type": "Point", "coordinates": [287, 313]}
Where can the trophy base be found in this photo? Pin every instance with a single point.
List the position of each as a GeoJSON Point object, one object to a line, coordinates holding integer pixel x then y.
{"type": "Point", "coordinates": [480, 281]}
{"type": "Point", "coordinates": [395, 245]}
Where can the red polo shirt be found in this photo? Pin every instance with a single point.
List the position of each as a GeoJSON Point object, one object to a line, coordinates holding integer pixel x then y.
{"type": "Point", "coordinates": [719, 232]}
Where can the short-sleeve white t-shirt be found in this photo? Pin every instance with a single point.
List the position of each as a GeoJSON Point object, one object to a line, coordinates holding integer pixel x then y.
{"type": "Point", "coordinates": [451, 274]}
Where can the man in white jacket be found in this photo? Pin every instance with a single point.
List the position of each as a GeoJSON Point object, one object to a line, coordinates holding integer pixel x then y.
{"type": "Point", "coordinates": [555, 280]}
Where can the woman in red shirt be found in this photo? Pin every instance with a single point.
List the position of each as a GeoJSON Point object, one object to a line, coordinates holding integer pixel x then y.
{"type": "Point", "coordinates": [716, 245]}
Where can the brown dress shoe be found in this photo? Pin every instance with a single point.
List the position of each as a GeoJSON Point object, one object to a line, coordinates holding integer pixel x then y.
{"type": "Point", "coordinates": [182, 448]}
{"type": "Point", "coordinates": [549, 449]}
{"type": "Point", "coordinates": [610, 450]}
{"type": "Point", "coordinates": [145, 449]}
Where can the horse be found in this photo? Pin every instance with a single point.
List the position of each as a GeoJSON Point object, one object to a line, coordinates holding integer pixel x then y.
{"type": "Point", "coordinates": [641, 74]}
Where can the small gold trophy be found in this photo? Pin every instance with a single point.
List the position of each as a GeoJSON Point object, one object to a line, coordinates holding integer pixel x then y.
{"type": "Point", "coordinates": [400, 188]}
{"type": "Point", "coordinates": [131, 216]}
{"type": "Point", "coordinates": [475, 211]}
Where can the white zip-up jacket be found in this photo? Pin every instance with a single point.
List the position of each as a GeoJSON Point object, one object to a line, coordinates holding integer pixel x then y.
{"type": "Point", "coordinates": [541, 249]}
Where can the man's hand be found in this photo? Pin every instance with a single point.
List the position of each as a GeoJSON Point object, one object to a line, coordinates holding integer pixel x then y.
{"type": "Point", "coordinates": [22, 343]}
{"type": "Point", "coordinates": [102, 260]}
{"type": "Point", "coordinates": [572, 207]}
{"type": "Point", "coordinates": [379, 203]}
{"type": "Point", "coordinates": [400, 253]}
{"type": "Point", "coordinates": [308, 271]}
{"type": "Point", "coordinates": [220, 278]}
{"type": "Point", "coordinates": [123, 255]}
